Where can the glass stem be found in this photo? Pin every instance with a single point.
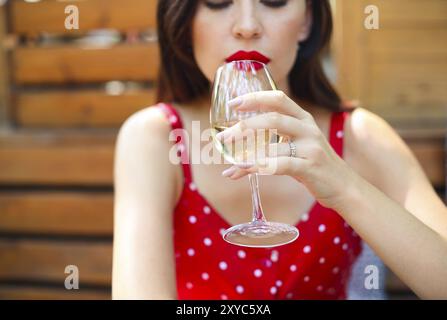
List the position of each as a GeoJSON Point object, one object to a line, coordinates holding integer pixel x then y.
{"type": "Point", "coordinates": [258, 215]}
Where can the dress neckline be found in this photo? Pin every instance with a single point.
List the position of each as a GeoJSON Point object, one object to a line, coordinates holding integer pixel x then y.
{"type": "Point", "coordinates": [229, 225]}
{"type": "Point", "coordinates": [336, 135]}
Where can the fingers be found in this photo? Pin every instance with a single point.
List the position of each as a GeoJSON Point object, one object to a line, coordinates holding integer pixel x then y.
{"type": "Point", "coordinates": [280, 166]}
{"type": "Point", "coordinates": [271, 122]}
{"type": "Point", "coordinates": [278, 150]}
{"type": "Point", "coordinates": [267, 101]}
{"type": "Point", "coordinates": [234, 172]}
{"type": "Point", "coordinates": [271, 166]}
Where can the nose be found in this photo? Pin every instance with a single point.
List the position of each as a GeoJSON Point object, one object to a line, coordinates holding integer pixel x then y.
{"type": "Point", "coordinates": [246, 24]}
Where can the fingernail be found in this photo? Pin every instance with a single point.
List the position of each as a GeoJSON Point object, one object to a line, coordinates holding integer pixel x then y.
{"type": "Point", "coordinates": [228, 172]}
{"type": "Point", "coordinates": [235, 102]}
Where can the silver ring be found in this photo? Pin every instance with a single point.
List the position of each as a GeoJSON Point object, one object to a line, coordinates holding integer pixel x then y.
{"type": "Point", "coordinates": [292, 147]}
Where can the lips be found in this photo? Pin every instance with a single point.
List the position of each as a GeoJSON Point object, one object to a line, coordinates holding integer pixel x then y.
{"type": "Point", "coordinates": [248, 55]}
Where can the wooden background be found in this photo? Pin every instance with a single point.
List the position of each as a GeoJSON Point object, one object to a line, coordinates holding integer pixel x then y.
{"type": "Point", "coordinates": [64, 94]}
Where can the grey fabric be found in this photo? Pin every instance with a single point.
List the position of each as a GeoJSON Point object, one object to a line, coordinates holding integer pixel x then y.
{"type": "Point", "coordinates": [356, 287]}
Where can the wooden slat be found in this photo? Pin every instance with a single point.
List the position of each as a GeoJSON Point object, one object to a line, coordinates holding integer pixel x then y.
{"type": "Point", "coordinates": [57, 158]}
{"type": "Point", "coordinates": [87, 159]}
{"type": "Point", "coordinates": [75, 64]}
{"type": "Point", "coordinates": [45, 260]}
{"type": "Point", "coordinates": [4, 74]}
{"type": "Point", "coordinates": [415, 116]}
{"type": "Point", "coordinates": [79, 108]}
{"type": "Point", "coordinates": [400, 84]}
{"type": "Point", "coordinates": [432, 156]}
{"type": "Point", "coordinates": [391, 40]}
{"type": "Point", "coordinates": [57, 213]}
{"type": "Point", "coordinates": [407, 13]}
{"type": "Point", "coordinates": [14, 292]}
{"type": "Point", "coordinates": [49, 15]}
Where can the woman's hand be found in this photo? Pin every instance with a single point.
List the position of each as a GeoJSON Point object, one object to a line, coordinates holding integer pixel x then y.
{"type": "Point", "coordinates": [315, 163]}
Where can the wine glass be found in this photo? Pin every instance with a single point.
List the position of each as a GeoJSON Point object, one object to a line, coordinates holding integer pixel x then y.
{"type": "Point", "coordinates": [233, 79]}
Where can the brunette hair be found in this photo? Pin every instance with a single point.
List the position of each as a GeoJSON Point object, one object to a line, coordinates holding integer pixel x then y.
{"type": "Point", "coordinates": [181, 80]}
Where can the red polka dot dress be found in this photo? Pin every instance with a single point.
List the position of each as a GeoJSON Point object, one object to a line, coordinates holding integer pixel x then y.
{"type": "Point", "coordinates": [315, 266]}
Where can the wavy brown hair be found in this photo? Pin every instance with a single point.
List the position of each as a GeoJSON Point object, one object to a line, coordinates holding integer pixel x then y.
{"type": "Point", "coordinates": [181, 80]}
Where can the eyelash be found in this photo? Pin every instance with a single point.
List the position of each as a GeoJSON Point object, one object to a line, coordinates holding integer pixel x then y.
{"type": "Point", "coordinates": [221, 5]}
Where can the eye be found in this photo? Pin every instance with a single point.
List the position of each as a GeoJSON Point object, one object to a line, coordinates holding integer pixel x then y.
{"type": "Point", "coordinates": [274, 3]}
{"type": "Point", "coordinates": [215, 5]}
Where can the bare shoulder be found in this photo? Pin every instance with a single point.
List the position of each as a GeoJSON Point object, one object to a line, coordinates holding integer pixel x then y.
{"type": "Point", "coordinates": [148, 120]}
{"type": "Point", "coordinates": [368, 133]}
{"type": "Point", "coordinates": [375, 149]}
{"type": "Point", "coordinates": [143, 148]}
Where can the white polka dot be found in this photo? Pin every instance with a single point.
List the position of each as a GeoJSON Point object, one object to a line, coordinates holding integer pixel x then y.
{"type": "Point", "coordinates": [241, 254]}
{"type": "Point", "coordinates": [223, 265]}
{"type": "Point", "coordinates": [222, 231]}
{"type": "Point", "coordinates": [320, 288]}
{"type": "Point", "coordinates": [173, 119]}
{"type": "Point", "coordinates": [305, 217]}
{"type": "Point", "coordinates": [322, 228]}
{"type": "Point", "coordinates": [273, 290]}
{"type": "Point", "coordinates": [192, 219]}
{"type": "Point", "coordinates": [191, 252]}
{"type": "Point", "coordinates": [346, 224]}
{"type": "Point", "coordinates": [289, 295]}
{"type": "Point", "coordinates": [268, 263]}
{"type": "Point", "coordinates": [192, 186]}
{"type": "Point", "coordinates": [257, 273]}
{"type": "Point", "coordinates": [274, 256]}
{"type": "Point", "coordinates": [189, 285]}
{"type": "Point", "coordinates": [293, 268]}
{"type": "Point", "coordinates": [322, 260]}
{"type": "Point", "coordinates": [307, 249]}
{"type": "Point", "coordinates": [239, 289]}
{"type": "Point", "coordinates": [206, 210]}
{"type": "Point", "coordinates": [207, 242]}
{"type": "Point", "coordinates": [223, 297]}
{"type": "Point", "coordinates": [306, 279]}
{"type": "Point", "coordinates": [205, 276]}
{"type": "Point", "coordinates": [339, 134]}
{"type": "Point", "coordinates": [345, 246]}
{"type": "Point", "coordinates": [336, 240]}
{"type": "Point", "coordinates": [278, 283]}
{"type": "Point", "coordinates": [335, 270]}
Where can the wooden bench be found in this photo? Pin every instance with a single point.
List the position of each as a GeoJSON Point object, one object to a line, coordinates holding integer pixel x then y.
{"type": "Point", "coordinates": [65, 97]}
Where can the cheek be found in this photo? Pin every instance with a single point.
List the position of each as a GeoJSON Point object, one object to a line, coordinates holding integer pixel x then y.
{"type": "Point", "coordinates": [285, 46]}
{"type": "Point", "coordinates": [207, 45]}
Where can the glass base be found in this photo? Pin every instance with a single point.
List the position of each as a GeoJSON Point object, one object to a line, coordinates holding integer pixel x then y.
{"type": "Point", "coordinates": [261, 234]}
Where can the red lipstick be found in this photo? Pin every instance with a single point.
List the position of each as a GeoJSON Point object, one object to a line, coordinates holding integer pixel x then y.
{"type": "Point", "coordinates": [248, 55]}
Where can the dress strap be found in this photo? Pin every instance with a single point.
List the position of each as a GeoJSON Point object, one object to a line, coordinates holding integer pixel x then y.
{"type": "Point", "coordinates": [336, 133]}
{"type": "Point", "coordinates": [182, 142]}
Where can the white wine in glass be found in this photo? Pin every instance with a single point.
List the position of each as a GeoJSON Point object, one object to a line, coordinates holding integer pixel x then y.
{"type": "Point", "coordinates": [234, 79]}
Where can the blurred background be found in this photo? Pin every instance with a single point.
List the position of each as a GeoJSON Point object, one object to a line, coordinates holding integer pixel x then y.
{"type": "Point", "coordinates": [65, 93]}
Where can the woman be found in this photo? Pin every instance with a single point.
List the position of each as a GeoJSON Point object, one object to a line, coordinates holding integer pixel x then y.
{"type": "Point", "coordinates": [351, 171]}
